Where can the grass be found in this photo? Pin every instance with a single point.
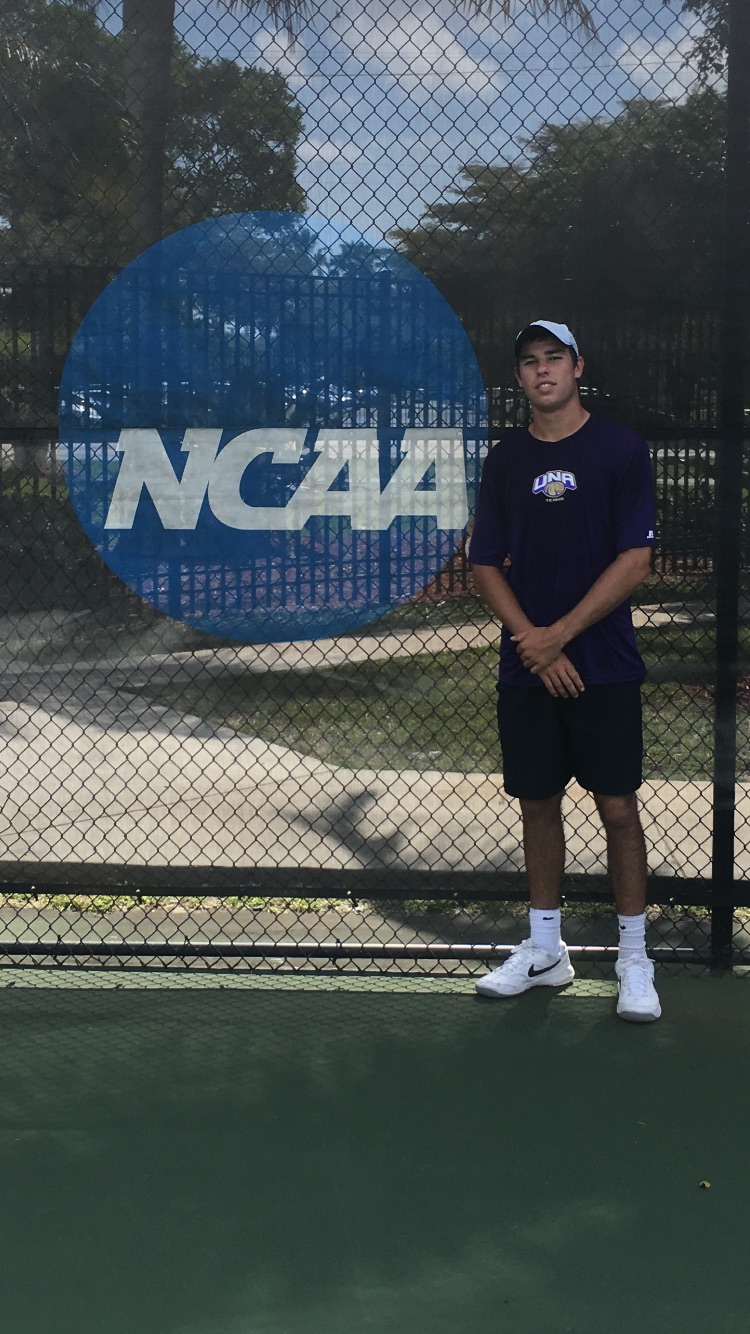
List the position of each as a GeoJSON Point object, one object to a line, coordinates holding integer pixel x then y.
{"type": "Point", "coordinates": [437, 710]}
{"type": "Point", "coordinates": [685, 653]}
{"type": "Point", "coordinates": [450, 907]}
{"type": "Point", "coordinates": [427, 712]}
{"type": "Point", "coordinates": [77, 900]}
{"type": "Point", "coordinates": [432, 613]}
{"type": "Point", "coordinates": [666, 588]}
{"type": "Point", "coordinates": [467, 609]}
{"type": "Point", "coordinates": [17, 486]}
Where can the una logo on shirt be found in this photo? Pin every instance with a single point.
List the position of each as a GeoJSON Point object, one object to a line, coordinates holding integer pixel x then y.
{"type": "Point", "coordinates": [554, 484]}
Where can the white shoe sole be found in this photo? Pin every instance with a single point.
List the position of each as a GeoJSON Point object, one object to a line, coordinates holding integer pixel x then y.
{"type": "Point", "coordinates": [637, 1017]}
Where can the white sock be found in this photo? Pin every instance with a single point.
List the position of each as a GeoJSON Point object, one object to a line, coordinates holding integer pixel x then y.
{"type": "Point", "coordinates": [545, 930]}
{"type": "Point", "coordinates": [632, 936]}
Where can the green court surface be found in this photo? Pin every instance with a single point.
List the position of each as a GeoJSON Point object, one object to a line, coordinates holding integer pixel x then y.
{"type": "Point", "coordinates": [323, 1156]}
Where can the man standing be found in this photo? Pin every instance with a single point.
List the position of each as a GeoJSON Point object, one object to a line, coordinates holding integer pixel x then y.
{"type": "Point", "coordinates": [562, 537]}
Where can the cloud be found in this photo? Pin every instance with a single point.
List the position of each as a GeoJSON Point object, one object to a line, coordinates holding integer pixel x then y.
{"type": "Point", "coordinates": [407, 46]}
{"type": "Point", "coordinates": [398, 94]}
{"type": "Point", "coordinates": [327, 150]}
{"type": "Point", "coordinates": [275, 51]}
{"type": "Point", "coordinates": [415, 47]}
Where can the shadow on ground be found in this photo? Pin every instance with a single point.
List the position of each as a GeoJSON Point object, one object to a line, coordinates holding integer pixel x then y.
{"type": "Point", "coordinates": [280, 1161]}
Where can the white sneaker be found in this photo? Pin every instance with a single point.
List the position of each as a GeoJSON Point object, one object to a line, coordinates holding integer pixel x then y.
{"type": "Point", "coordinates": [636, 994]}
{"type": "Point", "coordinates": [528, 966]}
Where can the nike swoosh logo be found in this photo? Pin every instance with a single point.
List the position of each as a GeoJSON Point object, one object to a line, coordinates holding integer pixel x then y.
{"type": "Point", "coordinates": [537, 972]}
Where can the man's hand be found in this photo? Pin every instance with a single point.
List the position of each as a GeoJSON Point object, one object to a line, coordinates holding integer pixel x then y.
{"type": "Point", "coordinates": [561, 678]}
{"type": "Point", "coordinates": [540, 651]}
{"type": "Point", "coordinates": [539, 647]}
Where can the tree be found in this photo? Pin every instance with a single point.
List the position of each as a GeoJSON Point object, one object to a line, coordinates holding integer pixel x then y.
{"type": "Point", "coordinates": [69, 166]}
{"type": "Point", "coordinates": [68, 169]}
{"type": "Point", "coordinates": [640, 200]}
{"type": "Point", "coordinates": [628, 208]}
{"type": "Point", "coordinates": [617, 222]}
{"type": "Point", "coordinates": [62, 159]}
{"type": "Point", "coordinates": [148, 42]}
{"type": "Point", "coordinates": [710, 47]}
{"type": "Point", "coordinates": [231, 137]}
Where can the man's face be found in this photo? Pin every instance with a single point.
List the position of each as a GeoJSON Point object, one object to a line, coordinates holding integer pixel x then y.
{"type": "Point", "coordinates": [548, 374]}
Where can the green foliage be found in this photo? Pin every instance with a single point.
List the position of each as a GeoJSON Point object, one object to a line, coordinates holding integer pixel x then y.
{"type": "Point", "coordinates": [231, 139]}
{"type": "Point", "coordinates": [64, 170]}
{"type": "Point", "coordinates": [436, 711]}
{"type": "Point", "coordinates": [47, 559]}
{"type": "Point", "coordinates": [625, 209]}
{"type": "Point", "coordinates": [68, 165]}
{"type": "Point", "coordinates": [571, 12]}
{"type": "Point", "coordinates": [710, 46]}
{"type": "Point", "coordinates": [617, 223]}
{"type": "Point", "coordinates": [283, 14]}
{"type": "Point", "coordinates": [638, 200]}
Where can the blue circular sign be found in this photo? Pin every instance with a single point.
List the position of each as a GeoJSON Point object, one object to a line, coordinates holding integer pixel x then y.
{"type": "Point", "coordinates": [272, 427]}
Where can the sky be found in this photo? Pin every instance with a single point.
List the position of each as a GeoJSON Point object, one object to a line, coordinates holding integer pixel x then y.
{"type": "Point", "coordinates": [398, 95]}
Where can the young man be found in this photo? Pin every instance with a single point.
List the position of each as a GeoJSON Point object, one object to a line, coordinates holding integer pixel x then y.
{"type": "Point", "coordinates": [563, 535]}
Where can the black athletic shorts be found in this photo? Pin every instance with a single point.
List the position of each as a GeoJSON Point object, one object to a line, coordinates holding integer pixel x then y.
{"type": "Point", "coordinates": [596, 738]}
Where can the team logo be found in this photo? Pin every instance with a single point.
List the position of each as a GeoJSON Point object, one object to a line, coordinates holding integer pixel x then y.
{"type": "Point", "coordinates": [554, 484]}
{"type": "Point", "coordinates": [218, 476]}
{"type": "Point", "coordinates": [273, 427]}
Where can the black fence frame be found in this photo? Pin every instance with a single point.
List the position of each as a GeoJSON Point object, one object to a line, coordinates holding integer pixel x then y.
{"type": "Point", "coordinates": [721, 892]}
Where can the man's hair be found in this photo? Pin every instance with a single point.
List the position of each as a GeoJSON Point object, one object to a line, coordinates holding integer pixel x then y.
{"type": "Point", "coordinates": [539, 335]}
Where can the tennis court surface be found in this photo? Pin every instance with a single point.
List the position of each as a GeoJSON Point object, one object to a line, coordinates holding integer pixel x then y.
{"type": "Point", "coordinates": [287, 1155]}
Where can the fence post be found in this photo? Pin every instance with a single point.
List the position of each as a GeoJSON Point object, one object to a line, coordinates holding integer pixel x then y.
{"type": "Point", "coordinates": [383, 419]}
{"type": "Point", "coordinates": [733, 378]}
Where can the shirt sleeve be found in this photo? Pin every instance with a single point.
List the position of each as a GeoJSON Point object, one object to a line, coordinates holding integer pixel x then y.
{"type": "Point", "coordinates": [489, 537]}
{"type": "Point", "coordinates": [635, 503]}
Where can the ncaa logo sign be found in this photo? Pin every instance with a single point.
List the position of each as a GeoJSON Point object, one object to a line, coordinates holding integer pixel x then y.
{"type": "Point", "coordinates": [272, 427]}
{"type": "Point", "coordinates": [218, 475]}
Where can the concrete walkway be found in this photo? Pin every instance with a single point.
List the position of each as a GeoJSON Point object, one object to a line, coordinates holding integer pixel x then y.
{"type": "Point", "coordinates": [27, 641]}
{"type": "Point", "coordinates": [90, 773]}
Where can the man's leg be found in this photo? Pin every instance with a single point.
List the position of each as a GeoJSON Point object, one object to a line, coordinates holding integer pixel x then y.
{"type": "Point", "coordinates": [534, 760]}
{"type": "Point", "coordinates": [544, 849]}
{"type": "Point", "coordinates": [543, 959]}
{"type": "Point", "coordinates": [626, 859]}
{"type": "Point", "coordinates": [626, 851]}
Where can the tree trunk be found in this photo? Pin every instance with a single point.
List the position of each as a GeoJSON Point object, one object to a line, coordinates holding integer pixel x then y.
{"type": "Point", "coordinates": [147, 39]}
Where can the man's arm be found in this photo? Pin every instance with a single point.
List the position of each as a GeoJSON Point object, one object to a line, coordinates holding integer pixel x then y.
{"type": "Point", "coordinates": [558, 675]}
{"type": "Point", "coordinates": [539, 646]}
{"type": "Point", "coordinates": [495, 590]}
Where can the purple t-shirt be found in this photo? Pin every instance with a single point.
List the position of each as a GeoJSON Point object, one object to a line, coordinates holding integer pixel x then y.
{"type": "Point", "coordinates": [562, 511]}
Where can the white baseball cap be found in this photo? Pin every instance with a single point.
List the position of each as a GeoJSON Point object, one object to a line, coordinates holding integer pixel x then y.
{"type": "Point", "coordinates": [560, 331]}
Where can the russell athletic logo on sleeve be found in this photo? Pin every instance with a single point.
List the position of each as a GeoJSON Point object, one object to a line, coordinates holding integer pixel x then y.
{"type": "Point", "coordinates": [273, 427]}
{"type": "Point", "coordinates": [553, 485]}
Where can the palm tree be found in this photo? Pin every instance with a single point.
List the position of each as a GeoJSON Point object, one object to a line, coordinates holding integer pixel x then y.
{"type": "Point", "coordinates": [148, 36]}
{"type": "Point", "coordinates": [21, 59]}
{"type": "Point", "coordinates": [569, 11]}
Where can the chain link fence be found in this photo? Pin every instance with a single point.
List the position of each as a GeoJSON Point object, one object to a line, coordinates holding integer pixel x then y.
{"type": "Point", "coordinates": [173, 798]}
